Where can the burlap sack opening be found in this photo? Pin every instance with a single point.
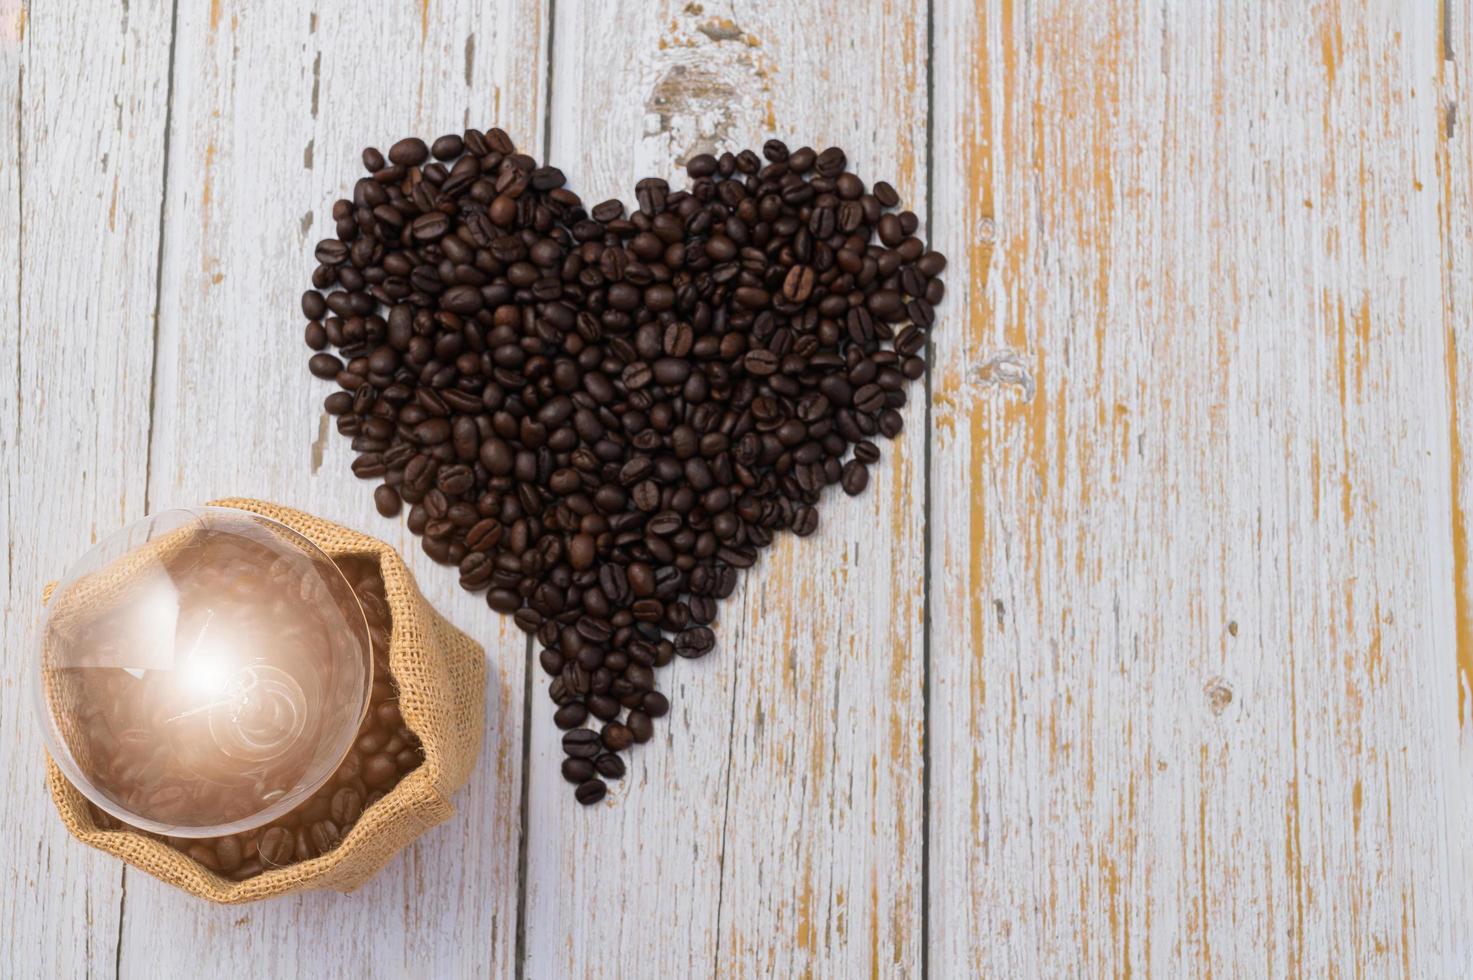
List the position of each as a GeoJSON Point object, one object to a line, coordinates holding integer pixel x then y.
{"type": "Point", "coordinates": [441, 674]}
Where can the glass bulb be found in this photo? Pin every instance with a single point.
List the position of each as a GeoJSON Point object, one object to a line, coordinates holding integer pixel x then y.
{"type": "Point", "coordinates": [202, 672]}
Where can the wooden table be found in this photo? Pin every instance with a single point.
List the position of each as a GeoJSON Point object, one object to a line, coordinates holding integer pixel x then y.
{"type": "Point", "coordinates": [1150, 648]}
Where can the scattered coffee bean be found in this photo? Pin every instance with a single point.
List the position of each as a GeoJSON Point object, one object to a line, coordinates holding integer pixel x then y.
{"type": "Point", "coordinates": [599, 417]}
{"type": "Point", "coordinates": [386, 500]}
{"type": "Point", "coordinates": [591, 792]}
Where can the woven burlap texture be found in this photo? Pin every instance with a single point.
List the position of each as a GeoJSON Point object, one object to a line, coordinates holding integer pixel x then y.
{"type": "Point", "coordinates": [441, 674]}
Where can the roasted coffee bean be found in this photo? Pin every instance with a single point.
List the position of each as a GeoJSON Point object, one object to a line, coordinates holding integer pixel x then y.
{"type": "Point", "coordinates": [386, 500]}
{"type": "Point", "coordinates": [380, 771]}
{"type": "Point", "coordinates": [609, 766]}
{"type": "Point", "coordinates": [805, 520]}
{"type": "Point", "coordinates": [227, 854]}
{"type": "Point", "coordinates": [204, 855]}
{"type": "Point", "coordinates": [640, 726]}
{"type": "Point", "coordinates": [696, 641]}
{"type": "Point", "coordinates": [591, 792]}
{"type": "Point", "coordinates": [600, 417]}
{"type": "Point", "coordinates": [325, 366]}
{"type": "Point", "coordinates": [582, 743]}
{"type": "Point", "coordinates": [408, 152]}
{"type": "Point", "coordinates": [447, 147]}
{"type": "Point", "coordinates": [617, 737]}
{"type": "Point", "coordinates": [578, 771]}
{"type": "Point", "coordinates": [325, 836]}
{"type": "Point", "coordinates": [347, 806]}
{"type": "Point", "coordinates": [276, 846]}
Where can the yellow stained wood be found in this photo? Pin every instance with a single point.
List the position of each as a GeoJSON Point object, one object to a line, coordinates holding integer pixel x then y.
{"type": "Point", "coordinates": [1455, 214]}
{"type": "Point", "coordinates": [1194, 689]}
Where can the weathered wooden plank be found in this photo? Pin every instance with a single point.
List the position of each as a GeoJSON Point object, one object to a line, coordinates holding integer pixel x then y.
{"type": "Point", "coordinates": [272, 104]}
{"type": "Point", "coordinates": [1193, 701]}
{"type": "Point", "coordinates": [82, 168]}
{"type": "Point", "coordinates": [1455, 211]}
{"type": "Point", "coordinates": [774, 825]}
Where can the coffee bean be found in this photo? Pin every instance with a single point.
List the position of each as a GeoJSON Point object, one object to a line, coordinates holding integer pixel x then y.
{"type": "Point", "coordinates": [380, 771]}
{"type": "Point", "coordinates": [408, 152]}
{"type": "Point", "coordinates": [330, 252]}
{"type": "Point", "coordinates": [805, 520]}
{"type": "Point", "coordinates": [696, 641]}
{"type": "Point", "coordinates": [582, 743]}
{"type": "Point", "coordinates": [869, 398]}
{"type": "Point", "coordinates": [799, 283]}
{"type": "Point", "coordinates": [640, 726]}
{"type": "Point", "coordinates": [276, 846]}
{"type": "Point", "coordinates": [430, 227]}
{"type": "Point", "coordinates": [577, 770]}
{"type": "Point", "coordinates": [591, 792]}
{"type": "Point", "coordinates": [581, 551]}
{"type": "Point", "coordinates": [760, 362]}
{"type": "Point", "coordinates": [447, 147]}
{"type": "Point", "coordinates": [204, 855]}
{"type": "Point", "coordinates": [227, 853]}
{"type": "Point", "coordinates": [325, 836]}
{"type": "Point", "coordinates": [617, 737]}
{"type": "Point", "coordinates": [386, 500]}
{"type": "Point", "coordinates": [325, 366]}
{"type": "Point", "coordinates": [600, 417]}
{"type": "Point", "coordinates": [347, 805]}
{"type": "Point", "coordinates": [610, 766]}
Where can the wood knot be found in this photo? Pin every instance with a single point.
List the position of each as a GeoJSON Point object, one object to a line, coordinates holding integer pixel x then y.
{"type": "Point", "coordinates": [1219, 694]}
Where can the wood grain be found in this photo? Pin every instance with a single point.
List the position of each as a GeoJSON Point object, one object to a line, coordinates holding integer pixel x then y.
{"type": "Point", "coordinates": [86, 239]}
{"type": "Point", "coordinates": [1193, 702]}
{"type": "Point", "coordinates": [1455, 213]}
{"type": "Point", "coordinates": [774, 825]}
{"type": "Point", "coordinates": [272, 105]}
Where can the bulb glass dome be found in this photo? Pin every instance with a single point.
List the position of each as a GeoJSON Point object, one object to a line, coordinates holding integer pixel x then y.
{"type": "Point", "coordinates": [202, 672]}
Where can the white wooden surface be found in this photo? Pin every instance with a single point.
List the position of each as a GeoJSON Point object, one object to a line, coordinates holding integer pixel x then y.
{"type": "Point", "coordinates": [1154, 653]}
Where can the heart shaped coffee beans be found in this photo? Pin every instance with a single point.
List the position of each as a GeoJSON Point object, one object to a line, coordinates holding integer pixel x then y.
{"type": "Point", "coordinates": [602, 417]}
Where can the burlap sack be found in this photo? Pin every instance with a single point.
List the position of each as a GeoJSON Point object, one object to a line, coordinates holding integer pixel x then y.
{"type": "Point", "coordinates": [441, 674]}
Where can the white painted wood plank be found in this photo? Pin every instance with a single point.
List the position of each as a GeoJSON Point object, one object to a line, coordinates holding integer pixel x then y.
{"type": "Point", "coordinates": [785, 838]}
{"type": "Point", "coordinates": [272, 105]}
{"type": "Point", "coordinates": [1455, 186]}
{"type": "Point", "coordinates": [1193, 700]}
{"type": "Point", "coordinates": [81, 253]}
